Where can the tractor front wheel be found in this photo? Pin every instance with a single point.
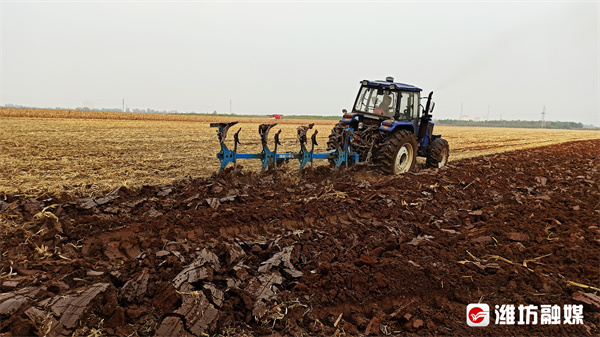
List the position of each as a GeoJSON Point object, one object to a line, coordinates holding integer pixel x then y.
{"type": "Point", "coordinates": [438, 153]}
{"type": "Point", "coordinates": [398, 153]}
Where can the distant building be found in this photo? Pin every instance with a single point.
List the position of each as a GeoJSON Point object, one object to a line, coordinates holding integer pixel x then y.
{"type": "Point", "coordinates": [469, 118]}
{"type": "Point", "coordinates": [590, 126]}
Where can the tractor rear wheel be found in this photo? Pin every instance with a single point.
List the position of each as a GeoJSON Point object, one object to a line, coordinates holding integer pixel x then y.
{"type": "Point", "coordinates": [438, 153]}
{"type": "Point", "coordinates": [398, 152]}
{"type": "Point", "coordinates": [335, 138]}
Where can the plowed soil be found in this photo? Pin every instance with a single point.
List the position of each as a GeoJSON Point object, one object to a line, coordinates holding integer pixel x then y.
{"type": "Point", "coordinates": [321, 253]}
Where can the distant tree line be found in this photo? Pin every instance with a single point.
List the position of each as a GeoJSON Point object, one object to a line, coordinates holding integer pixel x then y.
{"type": "Point", "coordinates": [455, 122]}
{"type": "Point", "coordinates": [16, 106]}
{"type": "Point", "coordinates": [513, 124]}
{"type": "Point", "coordinates": [152, 111]}
{"type": "Point", "coordinates": [147, 111]}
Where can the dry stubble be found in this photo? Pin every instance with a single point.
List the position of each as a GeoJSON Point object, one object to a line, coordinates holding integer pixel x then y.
{"type": "Point", "coordinates": [87, 157]}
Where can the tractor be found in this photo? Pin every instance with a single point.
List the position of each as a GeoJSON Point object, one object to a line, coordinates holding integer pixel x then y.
{"type": "Point", "coordinates": [389, 128]}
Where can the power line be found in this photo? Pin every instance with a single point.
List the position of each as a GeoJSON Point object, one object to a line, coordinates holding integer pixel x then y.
{"type": "Point", "coordinates": [544, 117]}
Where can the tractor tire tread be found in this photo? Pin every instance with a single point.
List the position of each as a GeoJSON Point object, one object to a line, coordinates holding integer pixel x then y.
{"type": "Point", "coordinates": [390, 146]}
{"type": "Point", "coordinates": [435, 152]}
{"type": "Point", "coordinates": [335, 136]}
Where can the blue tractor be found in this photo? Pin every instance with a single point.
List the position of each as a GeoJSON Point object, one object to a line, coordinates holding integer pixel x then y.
{"type": "Point", "coordinates": [390, 128]}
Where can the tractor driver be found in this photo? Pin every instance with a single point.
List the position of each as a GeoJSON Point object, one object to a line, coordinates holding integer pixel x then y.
{"type": "Point", "coordinates": [385, 103]}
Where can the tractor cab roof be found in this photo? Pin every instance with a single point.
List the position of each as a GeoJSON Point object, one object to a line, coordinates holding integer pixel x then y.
{"type": "Point", "coordinates": [390, 85]}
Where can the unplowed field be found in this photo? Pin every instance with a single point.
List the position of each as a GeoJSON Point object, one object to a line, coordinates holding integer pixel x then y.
{"type": "Point", "coordinates": [80, 156]}
{"type": "Point", "coordinates": [324, 253]}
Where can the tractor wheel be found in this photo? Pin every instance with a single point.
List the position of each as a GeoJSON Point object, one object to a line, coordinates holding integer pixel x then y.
{"type": "Point", "coordinates": [398, 153]}
{"type": "Point", "coordinates": [335, 138]}
{"type": "Point", "coordinates": [438, 153]}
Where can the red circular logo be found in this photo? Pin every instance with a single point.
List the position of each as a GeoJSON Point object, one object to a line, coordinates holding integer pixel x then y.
{"type": "Point", "coordinates": [477, 315]}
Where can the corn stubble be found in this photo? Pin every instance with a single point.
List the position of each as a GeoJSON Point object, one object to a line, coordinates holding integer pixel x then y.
{"type": "Point", "coordinates": [53, 153]}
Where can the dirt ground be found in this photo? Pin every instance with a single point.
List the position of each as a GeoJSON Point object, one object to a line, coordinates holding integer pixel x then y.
{"type": "Point", "coordinates": [323, 253]}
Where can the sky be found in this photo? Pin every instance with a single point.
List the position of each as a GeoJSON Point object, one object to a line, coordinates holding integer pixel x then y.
{"type": "Point", "coordinates": [508, 59]}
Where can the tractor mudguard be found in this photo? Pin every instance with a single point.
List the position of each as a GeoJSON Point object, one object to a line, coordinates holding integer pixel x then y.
{"type": "Point", "coordinates": [391, 126]}
{"type": "Point", "coordinates": [428, 132]}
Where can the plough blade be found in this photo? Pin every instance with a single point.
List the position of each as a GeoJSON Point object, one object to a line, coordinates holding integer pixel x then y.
{"type": "Point", "coordinates": [268, 156]}
{"type": "Point", "coordinates": [343, 155]}
{"type": "Point", "coordinates": [223, 128]}
{"type": "Point", "coordinates": [226, 156]}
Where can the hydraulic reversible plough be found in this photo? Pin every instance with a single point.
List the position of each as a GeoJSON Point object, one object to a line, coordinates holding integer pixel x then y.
{"type": "Point", "coordinates": [342, 154]}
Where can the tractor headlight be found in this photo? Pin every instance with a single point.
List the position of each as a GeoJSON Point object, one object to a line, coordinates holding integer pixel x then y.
{"type": "Point", "coordinates": [361, 126]}
{"type": "Point", "coordinates": [365, 82]}
{"type": "Point", "coordinates": [392, 87]}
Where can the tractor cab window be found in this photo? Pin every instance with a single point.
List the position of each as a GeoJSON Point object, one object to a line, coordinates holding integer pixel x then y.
{"type": "Point", "coordinates": [377, 101]}
{"type": "Point", "coordinates": [409, 106]}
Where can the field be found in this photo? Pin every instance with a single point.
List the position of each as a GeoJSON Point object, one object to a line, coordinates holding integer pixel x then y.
{"type": "Point", "coordinates": [90, 153]}
{"type": "Point", "coordinates": [117, 227]}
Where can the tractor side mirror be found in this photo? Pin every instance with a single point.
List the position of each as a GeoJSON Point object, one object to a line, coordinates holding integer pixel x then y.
{"type": "Point", "coordinates": [344, 111]}
{"type": "Point", "coordinates": [432, 107]}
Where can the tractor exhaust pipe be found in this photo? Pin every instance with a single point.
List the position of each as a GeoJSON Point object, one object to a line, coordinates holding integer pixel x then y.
{"type": "Point", "coordinates": [428, 104]}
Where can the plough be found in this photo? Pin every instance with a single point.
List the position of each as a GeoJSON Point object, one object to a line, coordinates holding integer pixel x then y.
{"type": "Point", "coordinates": [341, 155]}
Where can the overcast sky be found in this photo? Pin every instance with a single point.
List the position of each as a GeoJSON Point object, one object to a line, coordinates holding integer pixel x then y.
{"type": "Point", "coordinates": [303, 57]}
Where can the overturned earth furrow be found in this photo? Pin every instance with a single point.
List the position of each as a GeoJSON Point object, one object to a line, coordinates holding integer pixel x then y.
{"type": "Point", "coordinates": [314, 253]}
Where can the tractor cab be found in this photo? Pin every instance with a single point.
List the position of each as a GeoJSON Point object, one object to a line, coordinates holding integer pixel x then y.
{"type": "Point", "coordinates": [385, 100]}
{"type": "Point", "coordinates": [390, 128]}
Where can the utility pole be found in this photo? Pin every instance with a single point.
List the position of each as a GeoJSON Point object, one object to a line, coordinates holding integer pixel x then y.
{"type": "Point", "coordinates": [123, 105]}
{"type": "Point", "coordinates": [544, 117]}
